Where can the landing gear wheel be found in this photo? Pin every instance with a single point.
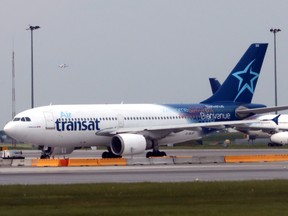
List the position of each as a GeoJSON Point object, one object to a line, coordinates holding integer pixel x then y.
{"type": "Point", "coordinates": [108, 154]}
{"type": "Point", "coordinates": [273, 144]}
{"type": "Point", "coordinates": [149, 154]}
{"type": "Point", "coordinates": [156, 154]}
{"type": "Point", "coordinates": [105, 154]}
{"type": "Point", "coordinates": [46, 152]}
{"type": "Point", "coordinates": [44, 157]}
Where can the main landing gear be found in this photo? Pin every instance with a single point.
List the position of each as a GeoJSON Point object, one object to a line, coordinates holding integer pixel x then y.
{"type": "Point", "coordinates": [46, 152]}
{"type": "Point", "coordinates": [155, 152]}
{"type": "Point", "coordinates": [109, 154]}
{"type": "Point", "coordinates": [271, 144]}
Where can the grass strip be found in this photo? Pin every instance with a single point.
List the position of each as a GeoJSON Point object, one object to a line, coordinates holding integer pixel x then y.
{"type": "Point", "coordinates": [195, 198]}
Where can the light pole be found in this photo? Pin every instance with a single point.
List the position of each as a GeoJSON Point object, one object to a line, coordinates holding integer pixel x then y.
{"type": "Point", "coordinates": [274, 31]}
{"type": "Point", "coordinates": [32, 28]}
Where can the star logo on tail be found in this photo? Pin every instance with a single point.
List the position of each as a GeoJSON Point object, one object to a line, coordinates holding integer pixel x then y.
{"type": "Point", "coordinates": [246, 79]}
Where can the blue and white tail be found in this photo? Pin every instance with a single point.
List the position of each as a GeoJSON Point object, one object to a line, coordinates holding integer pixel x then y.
{"type": "Point", "coordinates": [240, 85]}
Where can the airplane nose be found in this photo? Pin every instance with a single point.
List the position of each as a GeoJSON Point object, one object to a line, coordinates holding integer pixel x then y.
{"type": "Point", "coordinates": [9, 129]}
{"type": "Point", "coordinates": [16, 131]}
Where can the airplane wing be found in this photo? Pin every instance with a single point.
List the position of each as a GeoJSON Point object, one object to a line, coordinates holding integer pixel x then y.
{"type": "Point", "coordinates": [263, 127]}
{"type": "Point", "coordinates": [261, 110]}
{"type": "Point", "coordinates": [174, 128]}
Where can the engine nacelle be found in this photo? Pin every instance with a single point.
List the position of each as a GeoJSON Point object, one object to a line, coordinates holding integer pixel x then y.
{"type": "Point", "coordinates": [253, 134]}
{"type": "Point", "coordinates": [127, 144]}
{"type": "Point", "coordinates": [240, 115]}
{"type": "Point", "coordinates": [280, 138]}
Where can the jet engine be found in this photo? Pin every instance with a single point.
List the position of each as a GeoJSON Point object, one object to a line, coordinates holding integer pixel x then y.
{"type": "Point", "coordinates": [280, 138]}
{"type": "Point", "coordinates": [254, 134]}
{"type": "Point", "coordinates": [127, 144]}
{"type": "Point", "coordinates": [241, 115]}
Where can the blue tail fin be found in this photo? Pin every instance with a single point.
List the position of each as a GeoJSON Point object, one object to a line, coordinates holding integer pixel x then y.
{"type": "Point", "coordinates": [240, 84]}
{"type": "Point", "coordinates": [276, 119]}
{"type": "Point", "coordinates": [215, 85]}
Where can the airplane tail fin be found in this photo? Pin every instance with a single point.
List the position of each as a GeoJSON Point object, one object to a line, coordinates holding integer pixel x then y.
{"type": "Point", "coordinates": [276, 119]}
{"type": "Point", "coordinates": [214, 84]}
{"type": "Point", "coordinates": [240, 84]}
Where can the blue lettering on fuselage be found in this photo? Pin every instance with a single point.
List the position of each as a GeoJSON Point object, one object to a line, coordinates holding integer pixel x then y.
{"type": "Point", "coordinates": [65, 115]}
{"type": "Point", "coordinates": [77, 125]}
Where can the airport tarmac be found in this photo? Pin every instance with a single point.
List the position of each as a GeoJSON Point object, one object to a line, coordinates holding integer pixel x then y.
{"type": "Point", "coordinates": [152, 173]}
{"type": "Point", "coordinates": [170, 152]}
{"type": "Point", "coordinates": [134, 174]}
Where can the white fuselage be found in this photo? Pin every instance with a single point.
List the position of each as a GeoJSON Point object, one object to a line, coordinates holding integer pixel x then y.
{"type": "Point", "coordinates": [266, 127]}
{"type": "Point", "coordinates": [77, 125]}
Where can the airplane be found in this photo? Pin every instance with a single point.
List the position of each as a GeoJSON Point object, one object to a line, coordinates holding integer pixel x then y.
{"type": "Point", "coordinates": [271, 126]}
{"type": "Point", "coordinates": [62, 65]}
{"type": "Point", "coordinates": [128, 129]}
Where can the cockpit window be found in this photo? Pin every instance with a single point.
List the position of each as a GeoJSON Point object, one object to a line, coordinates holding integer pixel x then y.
{"type": "Point", "coordinates": [23, 119]}
{"type": "Point", "coordinates": [27, 119]}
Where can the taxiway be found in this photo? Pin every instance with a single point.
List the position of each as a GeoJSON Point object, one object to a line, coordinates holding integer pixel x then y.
{"type": "Point", "coordinates": [152, 173]}
{"type": "Point", "coordinates": [163, 173]}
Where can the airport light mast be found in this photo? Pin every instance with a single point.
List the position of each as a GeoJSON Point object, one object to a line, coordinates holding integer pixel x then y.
{"type": "Point", "coordinates": [32, 28]}
{"type": "Point", "coordinates": [13, 92]}
{"type": "Point", "coordinates": [274, 31]}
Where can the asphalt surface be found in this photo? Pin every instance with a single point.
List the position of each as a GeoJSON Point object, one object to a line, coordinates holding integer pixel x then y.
{"type": "Point", "coordinates": [179, 152]}
{"type": "Point", "coordinates": [129, 174]}
{"type": "Point", "coordinates": [153, 173]}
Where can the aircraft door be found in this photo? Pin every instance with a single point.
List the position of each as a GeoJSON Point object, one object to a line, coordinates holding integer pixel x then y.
{"type": "Point", "coordinates": [120, 121]}
{"type": "Point", "coordinates": [49, 119]}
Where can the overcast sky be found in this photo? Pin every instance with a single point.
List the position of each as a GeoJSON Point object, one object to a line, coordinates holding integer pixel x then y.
{"type": "Point", "coordinates": [135, 51]}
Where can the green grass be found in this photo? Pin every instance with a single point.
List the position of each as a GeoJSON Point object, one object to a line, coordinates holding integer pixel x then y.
{"type": "Point", "coordinates": [195, 198]}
